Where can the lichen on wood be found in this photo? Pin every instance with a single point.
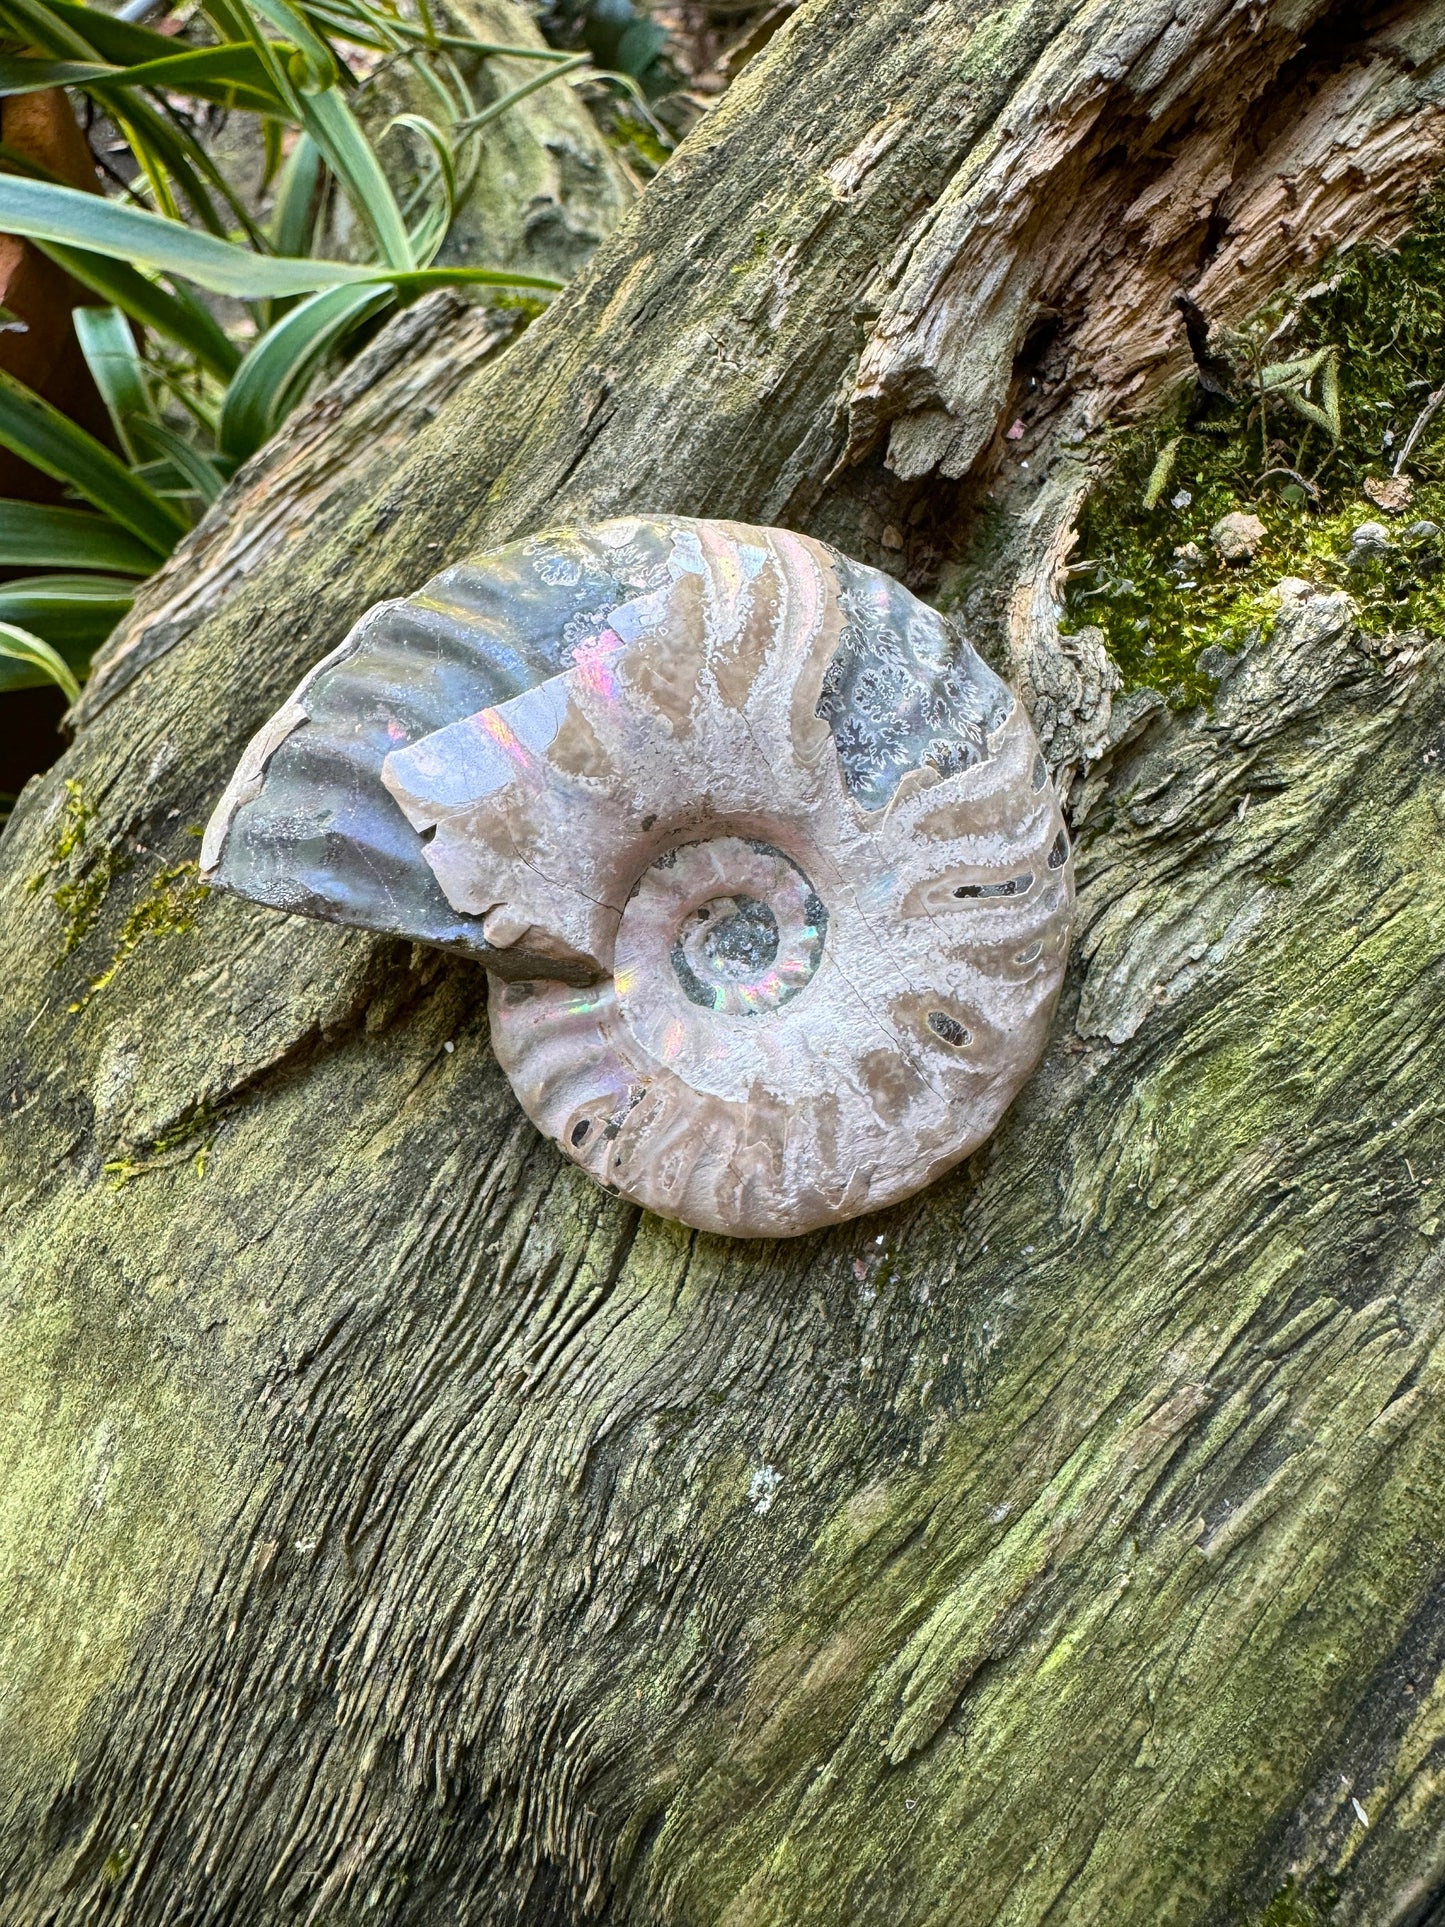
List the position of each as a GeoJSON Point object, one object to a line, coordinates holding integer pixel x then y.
{"type": "Point", "coordinates": [392, 1526]}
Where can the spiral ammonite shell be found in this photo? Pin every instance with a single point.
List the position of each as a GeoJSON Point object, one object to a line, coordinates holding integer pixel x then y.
{"type": "Point", "coordinates": [763, 858]}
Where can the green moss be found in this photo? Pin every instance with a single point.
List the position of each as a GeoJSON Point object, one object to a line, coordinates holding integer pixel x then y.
{"type": "Point", "coordinates": [633, 138]}
{"type": "Point", "coordinates": [1268, 448]}
{"type": "Point", "coordinates": [75, 821]}
{"type": "Point", "coordinates": [755, 256]}
{"type": "Point", "coordinates": [1292, 1907]}
{"type": "Point", "coordinates": [189, 1141]}
{"type": "Point", "coordinates": [110, 1445]}
{"type": "Point", "coordinates": [166, 910]}
{"type": "Point", "coordinates": [85, 873]}
{"type": "Point", "coordinates": [527, 305]}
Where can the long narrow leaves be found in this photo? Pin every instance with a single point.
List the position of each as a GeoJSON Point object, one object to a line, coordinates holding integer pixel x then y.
{"type": "Point", "coordinates": [294, 220]}
{"type": "Point", "coordinates": [197, 472]}
{"type": "Point", "coordinates": [476, 122]}
{"type": "Point", "coordinates": [36, 537]}
{"type": "Point", "coordinates": [178, 315]}
{"type": "Point", "coordinates": [115, 40]}
{"type": "Point", "coordinates": [64, 215]}
{"type": "Point", "coordinates": [292, 24]}
{"type": "Point", "coordinates": [392, 32]}
{"type": "Point", "coordinates": [110, 352]}
{"type": "Point", "coordinates": [162, 143]}
{"type": "Point", "coordinates": [72, 612]}
{"type": "Point", "coordinates": [45, 212]}
{"type": "Point", "coordinates": [26, 661]}
{"type": "Point", "coordinates": [39, 25]}
{"type": "Point", "coordinates": [230, 75]}
{"type": "Point", "coordinates": [352, 158]}
{"type": "Point", "coordinates": [51, 442]}
{"type": "Point", "coordinates": [187, 402]}
{"type": "Point", "coordinates": [421, 279]}
{"type": "Point", "coordinates": [428, 237]}
{"type": "Point", "coordinates": [278, 367]}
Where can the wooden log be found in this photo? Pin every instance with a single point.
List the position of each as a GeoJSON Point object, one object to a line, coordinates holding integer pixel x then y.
{"type": "Point", "coordinates": [393, 1525]}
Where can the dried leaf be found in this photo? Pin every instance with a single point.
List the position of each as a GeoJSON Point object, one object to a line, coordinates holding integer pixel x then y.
{"type": "Point", "coordinates": [1393, 496]}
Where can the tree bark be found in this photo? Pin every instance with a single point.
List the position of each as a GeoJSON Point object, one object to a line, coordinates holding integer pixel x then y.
{"type": "Point", "coordinates": [394, 1526]}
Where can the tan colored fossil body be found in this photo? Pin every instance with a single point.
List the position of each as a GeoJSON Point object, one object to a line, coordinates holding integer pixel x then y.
{"type": "Point", "coordinates": [764, 860]}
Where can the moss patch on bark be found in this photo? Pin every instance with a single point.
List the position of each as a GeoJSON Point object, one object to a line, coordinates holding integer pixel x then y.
{"type": "Point", "coordinates": [1145, 570]}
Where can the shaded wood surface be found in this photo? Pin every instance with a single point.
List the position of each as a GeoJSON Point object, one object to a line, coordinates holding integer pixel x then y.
{"type": "Point", "coordinates": [392, 1526]}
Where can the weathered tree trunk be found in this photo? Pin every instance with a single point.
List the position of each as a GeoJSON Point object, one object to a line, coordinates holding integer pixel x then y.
{"type": "Point", "coordinates": [396, 1527]}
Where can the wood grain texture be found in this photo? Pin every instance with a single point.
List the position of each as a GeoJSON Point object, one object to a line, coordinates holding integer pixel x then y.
{"type": "Point", "coordinates": [393, 1527]}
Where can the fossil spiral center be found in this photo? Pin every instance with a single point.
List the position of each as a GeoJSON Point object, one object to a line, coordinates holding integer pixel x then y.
{"type": "Point", "coordinates": [739, 924]}
{"type": "Point", "coordinates": [729, 940]}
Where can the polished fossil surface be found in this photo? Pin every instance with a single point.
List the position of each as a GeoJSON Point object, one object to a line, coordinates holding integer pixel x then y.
{"type": "Point", "coordinates": [762, 857]}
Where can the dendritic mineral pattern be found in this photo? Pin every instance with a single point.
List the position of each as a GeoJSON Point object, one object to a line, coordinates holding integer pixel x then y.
{"type": "Point", "coordinates": [762, 857]}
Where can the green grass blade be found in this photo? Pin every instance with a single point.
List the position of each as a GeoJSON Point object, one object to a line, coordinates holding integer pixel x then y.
{"type": "Point", "coordinates": [362, 26]}
{"type": "Point", "coordinates": [231, 76]}
{"type": "Point", "coordinates": [291, 23]}
{"type": "Point", "coordinates": [37, 25]}
{"type": "Point", "coordinates": [476, 122]}
{"type": "Point", "coordinates": [26, 662]}
{"type": "Point", "coordinates": [273, 146]}
{"type": "Point", "coordinates": [51, 442]}
{"type": "Point", "coordinates": [117, 41]}
{"type": "Point", "coordinates": [45, 212]}
{"type": "Point", "coordinates": [36, 537]}
{"type": "Point", "coordinates": [295, 216]}
{"type": "Point", "coordinates": [437, 141]}
{"type": "Point", "coordinates": [430, 232]}
{"type": "Point", "coordinates": [199, 472]}
{"type": "Point", "coordinates": [179, 316]}
{"type": "Point", "coordinates": [341, 21]}
{"type": "Point", "coordinates": [211, 73]}
{"type": "Point", "coordinates": [157, 147]}
{"type": "Point", "coordinates": [69, 612]}
{"type": "Point", "coordinates": [28, 76]}
{"type": "Point", "coordinates": [283, 360]}
{"type": "Point", "coordinates": [165, 157]}
{"type": "Point", "coordinates": [164, 477]}
{"type": "Point", "coordinates": [114, 361]}
{"type": "Point", "coordinates": [352, 159]}
{"type": "Point", "coordinates": [498, 49]}
{"type": "Point", "coordinates": [204, 335]}
{"type": "Point", "coordinates": [172, 140]}
{"type": "Point", "coordinates": [420, 279]}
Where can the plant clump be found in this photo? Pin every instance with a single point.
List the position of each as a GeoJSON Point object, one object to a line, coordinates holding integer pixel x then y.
{"type": "Point", "coordinates": [1292, 1906]}
{"type": "Point", "coordinates": [1311, 444]}
{"type": "Point", "coordinates": [211, 303]}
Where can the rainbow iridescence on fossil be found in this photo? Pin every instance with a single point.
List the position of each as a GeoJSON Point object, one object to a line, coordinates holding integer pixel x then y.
{"type": "Point", "coordinates": [762, 857]}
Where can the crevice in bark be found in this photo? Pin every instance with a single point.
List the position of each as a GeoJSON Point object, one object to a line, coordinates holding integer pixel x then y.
{"type": "Point", "coordinates": [1216, 164]}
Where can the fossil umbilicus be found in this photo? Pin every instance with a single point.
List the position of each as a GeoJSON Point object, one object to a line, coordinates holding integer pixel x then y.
{"type": "Point", "coordinates": [762, 857]}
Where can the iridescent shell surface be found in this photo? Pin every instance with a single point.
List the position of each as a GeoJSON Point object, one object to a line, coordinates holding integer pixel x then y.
{"type": "Point", "coordinates": [762, 857]}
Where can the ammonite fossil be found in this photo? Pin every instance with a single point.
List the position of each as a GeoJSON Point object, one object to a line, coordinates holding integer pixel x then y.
{"type": "Point", "coordinates": [763, 858]}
